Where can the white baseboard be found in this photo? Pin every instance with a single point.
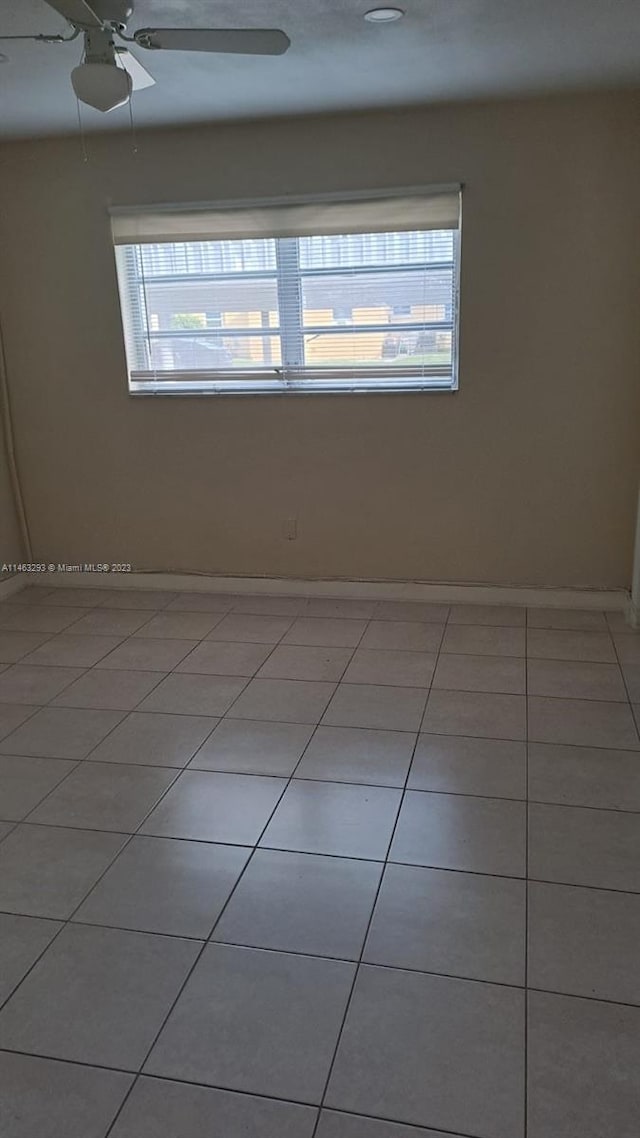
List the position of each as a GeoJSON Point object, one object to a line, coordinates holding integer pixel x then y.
{"type": "Point", "coordinates": [612, 600]}
{"type": "Point", "coordinates": [633, 614]}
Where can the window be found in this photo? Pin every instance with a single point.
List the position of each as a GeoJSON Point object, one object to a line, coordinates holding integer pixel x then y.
{"type": "Point", "coordinates": [355, 295]}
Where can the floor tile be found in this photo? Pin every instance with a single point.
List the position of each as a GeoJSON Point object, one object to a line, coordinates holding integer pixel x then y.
{"type": "Point", "coordinates": [15, 645]}
{"type": "Point", "coordinates": [27, 683]}
{"type": "Point", "coordinates": [25, 781]}
{"type": "Point", "coordinates": [77, 597]}
{"type": "Point", "coordinates": [269, 605]}
{"type": "Point", "coordinates": [153, 655]}
{"type": "Point", "coordinates": [46, 872]}
{"type": "Point", "coordinates": [326, 632]}
{"type": "Point", "coordinates": [154, 739]}
{"type": "Point", "coordinates": [97, 996]}
{"type": "Point", "coordinates": [163, 885]}
{"type": "Point", "coordinates": [477, 640]}
{"type": "Point", "coordinates": [179, 626]}
{"type": "Point", "coordinates": [355, 754]}
{"type": "Point", "coordinates": [582, 722]}
{"type": "Point", "coordinates": [575, 679]}
{"type": "Point", "coordinates": [290, 701]}
{"type": "Point", "coordinates": [40, 618]}
{"type": "Point", "coordinates": [22, 940]}
{"type": "Point", "coordinates": [201, 602]}
{"type": "Point", "coordinates": [411, 636]}
{"type": "Point", "coordinates": [584, 847]}
{"type": "Point", "coordinates": [255, 1021]}
{"type": "Point", "coordinates": [11, 716]}
{"type": "Point", "coordinates": [463, 765]}
{"type": "Point", "coordinates": [458, 672]}
{"type": "Point", "coordinates": [580, 620]}
{"type": "Point", "coordinates": [302, 903]}
{"type": "Point", "coordinates": [30, 594]}
{"type": "Point", "coordinates": [41, 1098]}
{"type": "Point", "coordinates": [458, 924]}
{"type": "Point", "coordinates": [451, 831]}
{"type": "Point", "coordinates": [584, 776]}
{"type": "Point", "coordinates": [194, 695]}
{"type": "Point", "coordinates": [335, 1124]}
{"type": "Point", "coordinates": [337, 608]}
{"type": "Point", "coordinates": [584, 1058]}
{"type": "Point", "coordinates": [252, 629]}
{"type": "Point", "coordinates": [479, 714]}
{"type": "Point", "coordinates": [60, 733]}
{"type": "Point", "coordinates": [67, 650]}
{"type": "Point", "coordinates": [327, 818]}
{"type": "Point", "coordinates": [306, 662]}
{"type": "Point", "coordinates": [412, 611]}
{"type": "Point", "coordinates": [627, 647]}
{"type": "Point", "coordinates": [104, 796]}
{"type": "Point", "coordinates": [160, 1107]}
{"type": "Point", "coordinates": [376, 706]}
{"type": "Point", "coordinates": [136, 598]}
{"type": "Point", "coordinates": [618, 622]}
{"type": "Point", "coordinates": [506, 615]}
{"type": "Point", "coordinates": [111, 622]}
{"type": "Point", "coordinates": [433, 1051]}
{"type": "Point", "coordinates": [584, 942]}
{"type": "Point", "coordinates": [211, 807]}
{"type": "Point", "coordinates": [631, 673]}
{"type": "Point", "coordinates": [552, 645]}
{"type": "Point", "coordinates": [397, 668]}
{"type": "Point", "coordinates": [219, 658]}
{"type": "Point", "coordinates": [107, 690]}
{"type": "Point", "coordinates": [248, 746]}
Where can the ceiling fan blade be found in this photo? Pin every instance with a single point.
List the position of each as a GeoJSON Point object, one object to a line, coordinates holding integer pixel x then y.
{"type": "Point", "coordinates": [76, 12]}
{"type": "Point", "coordinates": [139, 74]}
{"type": "Point", "coordinates": [240, 41]}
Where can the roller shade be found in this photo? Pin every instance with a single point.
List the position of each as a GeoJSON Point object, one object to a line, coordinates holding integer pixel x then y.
{"type": "Point", "coordinates": [325, 295]}
{"type": "Point", "coordinates": [423, 211]}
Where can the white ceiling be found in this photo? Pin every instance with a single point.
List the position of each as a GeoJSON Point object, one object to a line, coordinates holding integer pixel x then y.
{"type": "Point", "coordinates": [441, 50]}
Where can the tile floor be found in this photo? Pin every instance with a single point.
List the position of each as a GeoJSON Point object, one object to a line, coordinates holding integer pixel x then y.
{"type": "Point", "coordinates": [290, 868]}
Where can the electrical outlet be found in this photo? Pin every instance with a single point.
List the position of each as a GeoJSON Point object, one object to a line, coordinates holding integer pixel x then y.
{"type": "Point", "coordinates": [290, 529]}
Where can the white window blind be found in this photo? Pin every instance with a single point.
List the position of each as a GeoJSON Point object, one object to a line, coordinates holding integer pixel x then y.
{"type": "Point", "coordinates": [334, 295]}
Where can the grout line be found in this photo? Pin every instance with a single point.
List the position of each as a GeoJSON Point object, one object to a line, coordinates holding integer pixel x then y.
{"type": "Point", "coordinates": [626, 688]}
{"type": "Point", "coordinates": [229, 1090]}
{"type": "Point", "coordinates": [359, 963]}
{"type": "Point", "coordinates": [206, 942]}
{"type": "Point", "coordinates": [577, 747]}
{"type": "Point", "coordinates": [352, 960]}
{"type": "Point", "coordinates": [338, 857]}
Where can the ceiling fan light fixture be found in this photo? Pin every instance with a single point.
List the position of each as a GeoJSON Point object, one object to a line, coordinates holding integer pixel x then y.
{"type": "Point", "coordinates": [384, 15]}
{"type": "Point", "coordinates": [103, 86]}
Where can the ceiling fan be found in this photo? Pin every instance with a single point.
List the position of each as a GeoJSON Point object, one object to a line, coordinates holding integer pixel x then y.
{"type": "Point", "coordinates": [109, 72]}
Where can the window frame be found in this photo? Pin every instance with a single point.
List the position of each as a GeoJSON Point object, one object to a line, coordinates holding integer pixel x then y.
{"type": "Point", "coordinates": [296, 378]}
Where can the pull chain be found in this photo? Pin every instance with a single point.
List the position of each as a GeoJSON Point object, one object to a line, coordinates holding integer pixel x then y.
{"type": "Point", "coordinates": [83, 145]}
{"type": "Point", "coordinates": [134, 137]}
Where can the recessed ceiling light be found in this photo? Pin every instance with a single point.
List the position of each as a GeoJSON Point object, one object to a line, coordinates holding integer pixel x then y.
{"type": "Point", "coordinates": [384, 15]}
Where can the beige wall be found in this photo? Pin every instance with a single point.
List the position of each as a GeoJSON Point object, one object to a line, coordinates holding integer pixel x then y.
{"type": "Point", "coordinates": [528, 474]}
